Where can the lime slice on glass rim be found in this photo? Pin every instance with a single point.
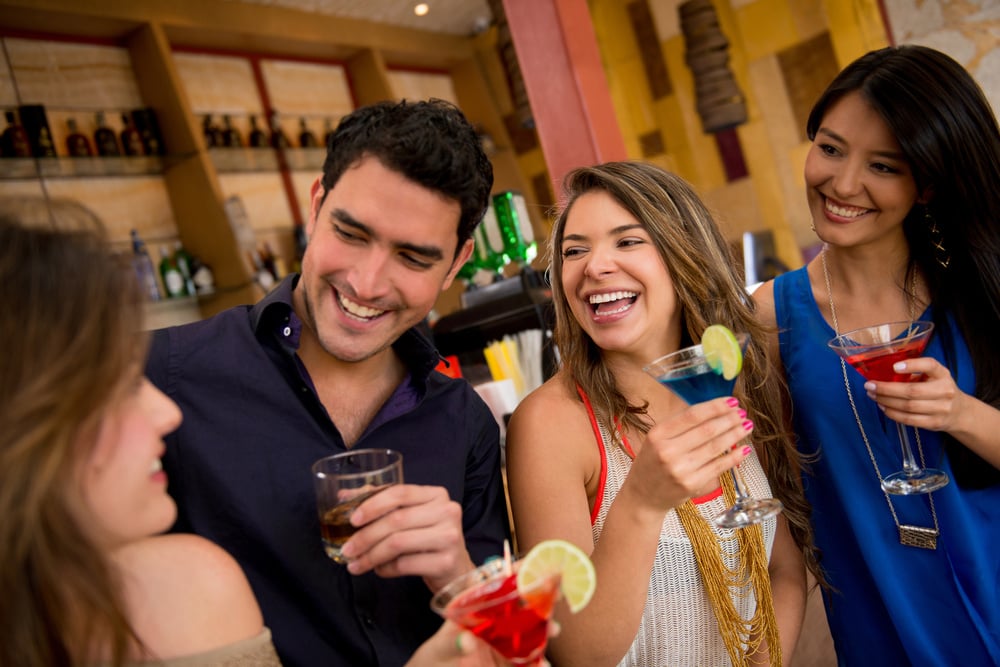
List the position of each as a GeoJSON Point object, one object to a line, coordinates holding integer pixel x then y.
{"type": "Point", "coordinates": [578, 579]}
{"type": "Point", "coordinates": [722, 350]}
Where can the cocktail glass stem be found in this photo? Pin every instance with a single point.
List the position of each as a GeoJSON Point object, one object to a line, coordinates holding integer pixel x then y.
{"type": "Point", "coordinates": [910, 466]}
{"type": "Point", "coordinates": [739, 484]}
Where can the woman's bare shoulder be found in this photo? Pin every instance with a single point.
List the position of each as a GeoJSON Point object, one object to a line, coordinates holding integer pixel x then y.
{"type": "Point", "coordinates": [186, 595]}
{"type": "Point", "coordinates": [763, 297]}
{"type": "Point", "coordinates": [553, 408]}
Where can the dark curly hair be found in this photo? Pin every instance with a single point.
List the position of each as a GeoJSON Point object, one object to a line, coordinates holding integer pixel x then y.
{"type": "Point", "coordinates": [429, 142]}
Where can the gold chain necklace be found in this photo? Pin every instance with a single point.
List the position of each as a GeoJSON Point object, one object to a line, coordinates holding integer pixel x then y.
{"type": "Point", "coordinates": [910, 536]}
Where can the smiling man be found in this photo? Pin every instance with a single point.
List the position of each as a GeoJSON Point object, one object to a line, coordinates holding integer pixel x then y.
{"type": "Point", "coordinates": [330, 361]}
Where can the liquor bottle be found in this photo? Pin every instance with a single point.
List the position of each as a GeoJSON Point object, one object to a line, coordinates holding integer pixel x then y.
{"type": "Point", "coordinates": [185, 264]}
{"type": "Point", "coordinates": [104, 138]}
{"type": "Point", "coordinates": [77, 143]}
{"type": "Point", "coordinates": [173, 281]}
{"type": "Point", "coordinates": [213, 135]}
{"type": "Point", "coordinates": [230, 135]}
{"type": "Point", "coordinates": [306, 138]}
{"type": "Point", "coordinates": [149, 130]}
{"type": "Point", "coordinates": [204, 279]}
{"type": "Point", "coordinates": [131, 140]}
{"type": "Point", "coordinates": [278, 137]}
{"type": "Point", "coordinates": [36, 125]}
{"type": "Point", "coordinates": [258, 138]}
{"type": "Point", "coordinates": [143, 266]}
{"type": "Point", "coordinates": [515, 227]}
{"type": "Point", "coordinates": [14, 141]}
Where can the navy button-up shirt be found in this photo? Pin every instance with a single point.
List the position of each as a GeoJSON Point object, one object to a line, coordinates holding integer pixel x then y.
{"type": "Point", "coordinates": [238, 467]}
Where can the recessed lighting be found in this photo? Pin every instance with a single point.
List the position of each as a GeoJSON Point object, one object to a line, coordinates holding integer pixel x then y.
{"type": "Point", "coordinates": [421, 9]}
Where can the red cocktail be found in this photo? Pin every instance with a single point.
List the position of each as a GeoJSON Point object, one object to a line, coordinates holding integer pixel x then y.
{"type": "Point", "coordinates": [877, 365]}
{"type": "Point", "coordinates": [873, 351]}
{"type": "Point", "coordinates": [487, 602]}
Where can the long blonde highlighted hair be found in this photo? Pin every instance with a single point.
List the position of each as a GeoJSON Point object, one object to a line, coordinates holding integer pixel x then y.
{"type": "Point", "coordinates": [709, 291]}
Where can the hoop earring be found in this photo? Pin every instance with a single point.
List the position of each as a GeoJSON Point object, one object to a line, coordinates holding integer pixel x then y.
{"type": "Point", "coordinates": [937, 239]}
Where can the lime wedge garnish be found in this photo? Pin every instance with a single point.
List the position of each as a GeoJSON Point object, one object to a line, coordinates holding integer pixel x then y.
{"type": "Point", "coordinates": [722, 350]}
{"type": "Point", "coordinates": [566, 559]}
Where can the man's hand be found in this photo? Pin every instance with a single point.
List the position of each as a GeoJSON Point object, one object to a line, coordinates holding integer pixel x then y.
{"type": "Point", "coordinates": [409, 530]}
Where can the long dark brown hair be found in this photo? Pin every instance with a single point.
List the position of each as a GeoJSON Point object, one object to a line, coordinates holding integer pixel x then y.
{"type": "Point", "coordinates": [709, 291]}
{"type": "Point", "coordinates": [69, 317]}
{"type": "Point", "coordinates": [948, 134]}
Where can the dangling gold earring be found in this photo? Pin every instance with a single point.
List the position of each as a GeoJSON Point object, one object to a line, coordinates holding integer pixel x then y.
{"type": "Point", "coordinates": [937, 239]}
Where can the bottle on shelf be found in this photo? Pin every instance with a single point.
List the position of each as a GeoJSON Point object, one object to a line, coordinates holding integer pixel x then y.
{"type": "Point", "coordinates": [212, 132]}
{"type": "Point", "coordinates": [173, 281]}
{"type": "Point", "coordinates": [231, 137]}
{"type": "Point", "coordinates": [143, 266]}
{"type": "Point", "coordinates": [204, 278]}
{"type": "Point", "coordinates": [185, 264]}
{"type": "Point", "coordinates": [278, 137]}
{"type": "Point", "coordinates": [104, 138]}
{"type": "Point", "coordinates": [77, 143]}
{"type": "Point", "coordinates": [306, 138]}
{"type": "Point", "coordinates": [258, 137]}
{"type": "Point", "coordinates": [148, 127]}
{"type": "Point", "coordinates": [36, 124]}
{"type": "Point", "coordinates": [131, 139]}
{"type": "Point", "coordinates": [14, 140]}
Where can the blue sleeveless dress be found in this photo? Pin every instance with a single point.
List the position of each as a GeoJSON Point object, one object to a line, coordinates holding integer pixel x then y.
{"type": "Point", "coordinates": [891, 604]}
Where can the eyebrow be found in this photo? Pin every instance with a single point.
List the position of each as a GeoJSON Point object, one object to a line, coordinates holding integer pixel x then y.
{"type": "Point", "coordinates": [894, 155]}
{"type": "Point", "coordinates": [430, 252]}
{"type": "Point", "coordinates": [621, 229]}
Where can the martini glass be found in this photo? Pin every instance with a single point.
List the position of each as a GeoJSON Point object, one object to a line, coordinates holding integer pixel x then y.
{"type": "Point", "coordinates": [486, 602]}
{"type": "Point", "coordinates": [690, 374]}
{"type": "Point", "coordinates": [872, 351]}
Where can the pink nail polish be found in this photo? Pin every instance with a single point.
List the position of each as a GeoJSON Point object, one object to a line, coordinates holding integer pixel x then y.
{"type": "Point", "coordinates": [747, 425]}
{"type": "Point", "coordinates": [732, 402]}
{"type": "Point", "coordinates": [742, 413]}
{"type": "Point", "coordinates": [747, 450]}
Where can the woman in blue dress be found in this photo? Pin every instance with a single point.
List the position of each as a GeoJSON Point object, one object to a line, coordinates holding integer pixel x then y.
{"type": "Point", "coordinates": [902, 181]}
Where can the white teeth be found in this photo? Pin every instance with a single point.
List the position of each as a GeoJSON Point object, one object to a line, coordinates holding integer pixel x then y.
{"type": "Point", "coordinates": [611, 296]}
{"type": "Point", "coordinates": [363, 312]}
{"type": "Point", "coordinates": [617, 310]}
{"type": "Point", "coordinates": [845, 211]}
{"type": "Point", "coordinates": [156, 466]}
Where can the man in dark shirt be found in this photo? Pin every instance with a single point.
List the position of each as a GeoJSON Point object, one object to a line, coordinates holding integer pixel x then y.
{"type": "Point", "coordinates": [331, 361]}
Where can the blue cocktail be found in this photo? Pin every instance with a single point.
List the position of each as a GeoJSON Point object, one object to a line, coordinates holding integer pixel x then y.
{"type": "Point", "coordinates": [690, 374]}
{"type": "Point", "coordinates": [697, 383]}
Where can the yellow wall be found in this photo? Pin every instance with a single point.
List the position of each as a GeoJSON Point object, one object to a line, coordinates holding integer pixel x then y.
{"type": "Point", "coordinates": [767, 39]}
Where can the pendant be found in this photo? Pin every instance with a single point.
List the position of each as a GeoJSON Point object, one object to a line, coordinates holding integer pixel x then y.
{"type": "Point", "coordinates": [918, 536]}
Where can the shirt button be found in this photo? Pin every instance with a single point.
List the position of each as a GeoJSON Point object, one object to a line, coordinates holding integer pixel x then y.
{"type": "Point", "coordinates": [367, 620]}
{"type": "Point", "coordinates": [305, 388]}
{"type": "Point", "coordinates": [287, 331]}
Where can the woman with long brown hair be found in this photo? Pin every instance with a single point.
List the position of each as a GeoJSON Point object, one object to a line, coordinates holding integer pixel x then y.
{"type": "Point", "coordinates": [639, 269]}
{"type": "Point", "coordinates": [82, 579]}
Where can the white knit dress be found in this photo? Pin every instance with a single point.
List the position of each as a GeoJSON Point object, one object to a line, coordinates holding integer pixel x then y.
{"type": "Point", "coordinates": [678, 626]}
